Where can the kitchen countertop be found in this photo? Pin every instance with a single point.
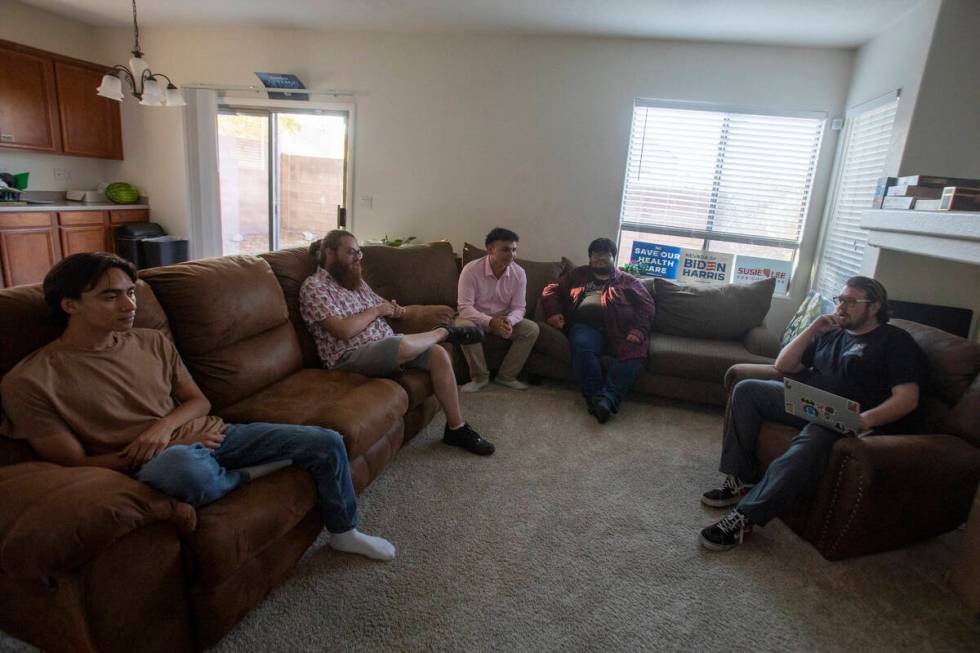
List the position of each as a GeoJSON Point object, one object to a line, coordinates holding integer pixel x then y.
{"type": "Point", "coordinates": [67, 205]}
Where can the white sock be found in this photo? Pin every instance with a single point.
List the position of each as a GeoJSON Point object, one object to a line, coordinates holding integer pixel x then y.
{"type": "Point", "coordinates": [354, 541]}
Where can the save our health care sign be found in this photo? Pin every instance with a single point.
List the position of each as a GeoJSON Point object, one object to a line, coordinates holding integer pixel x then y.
{"type": "Point", "coordinates": [682, 264]}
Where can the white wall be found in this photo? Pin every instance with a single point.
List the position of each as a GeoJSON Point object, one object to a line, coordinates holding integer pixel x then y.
{"type": "Point", "coordinates": [896, 59]}
{"type": "Point", "coordinates": [944, 137]}
{"type": "Point", "coordinates": [28, 25]}
{"type": "Point", "coordinates": [457, 134]}
{"type": "Point", "coordinates": [939, 135]}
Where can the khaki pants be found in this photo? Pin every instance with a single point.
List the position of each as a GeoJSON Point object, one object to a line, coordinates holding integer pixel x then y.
{"type": "Point", "coordinates": [523, 337]}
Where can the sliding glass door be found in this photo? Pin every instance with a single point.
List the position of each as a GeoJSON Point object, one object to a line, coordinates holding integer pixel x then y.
{"type": "Point", "coordinates": [283, 173]}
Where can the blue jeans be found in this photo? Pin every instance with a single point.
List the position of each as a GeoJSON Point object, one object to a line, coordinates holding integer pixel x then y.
{"type": "Point", "coordinates": [795, 473]}
{"type": "Point", "coordinates": [588, 345]}
{"type": "Point", "coordinates": [198, 476]}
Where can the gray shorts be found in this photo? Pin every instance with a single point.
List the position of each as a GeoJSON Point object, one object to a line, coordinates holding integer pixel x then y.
{"type": "Point", "coordinates": [379, 358]}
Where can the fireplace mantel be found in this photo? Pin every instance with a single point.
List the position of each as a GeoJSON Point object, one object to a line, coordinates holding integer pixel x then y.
{"type": "Point", "coordinates": [950, 235]}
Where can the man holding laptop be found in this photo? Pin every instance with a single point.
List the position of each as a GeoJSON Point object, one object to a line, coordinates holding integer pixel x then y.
{"type": "Point", "coordinates": [852, 353]}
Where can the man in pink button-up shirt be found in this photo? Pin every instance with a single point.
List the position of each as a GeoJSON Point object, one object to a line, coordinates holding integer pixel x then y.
{"type": "Point", "coordinates": [491, 296]}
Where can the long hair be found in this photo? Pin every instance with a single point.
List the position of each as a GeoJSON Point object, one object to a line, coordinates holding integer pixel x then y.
{"type": "Point", "coordinates": [874, 291]}
{"type": "Point", "coordinates": [318, 248]}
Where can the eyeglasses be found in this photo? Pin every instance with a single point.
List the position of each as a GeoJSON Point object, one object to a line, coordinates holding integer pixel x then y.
{"type": "Point", "coordinates": [601, 255]}
{"type": "Point", "coordinates": [355, 253]}
{"type": "Point", "coordinates": [849, 303]}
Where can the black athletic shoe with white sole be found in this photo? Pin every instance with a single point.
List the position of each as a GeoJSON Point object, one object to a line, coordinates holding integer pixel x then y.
{"type": "Point", "coordinates": [727, 533]}
{"type": "Point", "coordinates": [730, 493]}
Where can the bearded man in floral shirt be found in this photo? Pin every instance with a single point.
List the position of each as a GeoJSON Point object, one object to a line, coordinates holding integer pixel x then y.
{"type": "Point", "coordinates": [346, 319]}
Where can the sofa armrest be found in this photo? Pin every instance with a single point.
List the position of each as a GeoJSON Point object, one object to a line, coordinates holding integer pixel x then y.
{"type": "Point", "coordinates": [743, 371]}
{"type": "Point", "coordinates": [421, 318]}
{"type": "Point", "coordinates": [761, 342]}
{"type": "Point", "coordinates": [885, 491]}
{"type": "Point", "coordinates": [54, 519]}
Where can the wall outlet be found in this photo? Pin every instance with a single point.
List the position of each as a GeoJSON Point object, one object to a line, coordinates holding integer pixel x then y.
{"type": "Point", "coordinates": [367, 201]}
{"type": "Point", "coordinates": [62, 174]}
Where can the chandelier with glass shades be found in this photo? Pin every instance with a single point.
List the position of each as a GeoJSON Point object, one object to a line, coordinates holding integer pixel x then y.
{"type": "Point", "coordinates": [144, 82]}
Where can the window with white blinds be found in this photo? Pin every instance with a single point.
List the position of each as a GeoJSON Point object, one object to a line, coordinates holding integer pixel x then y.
{"type": "Point", "coordinates": [867, 136]}
{"type": "Point", "coordinates": [728, 180]}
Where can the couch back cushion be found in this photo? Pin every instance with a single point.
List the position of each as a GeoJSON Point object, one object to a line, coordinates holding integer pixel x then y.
{"type": "Point", "coordinates": [954, 362]}
{"type": "Point", "coordinates": [413, 274]}
{"type": "Point", "coordinates": [716, 312]}
{"type": "Point", "coordinates": [230, 322]}
{"type": "Point", "coordinates": [539, 273]}
{"type": "Point", "coordinates": [292, 267]}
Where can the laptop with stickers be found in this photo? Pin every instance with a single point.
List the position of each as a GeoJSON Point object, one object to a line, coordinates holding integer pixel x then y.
{"type": "Point", "coordinates": [825, 408]}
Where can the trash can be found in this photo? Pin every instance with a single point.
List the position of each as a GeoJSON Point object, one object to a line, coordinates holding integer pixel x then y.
{"type": "Point", "coordinates": [163, 250]}
{"type": "Point", "coordinates": [129, 237]}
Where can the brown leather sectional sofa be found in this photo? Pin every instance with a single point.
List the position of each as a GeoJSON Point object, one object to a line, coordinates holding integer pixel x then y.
{"type": "Point", "coordinates": [91, 560]}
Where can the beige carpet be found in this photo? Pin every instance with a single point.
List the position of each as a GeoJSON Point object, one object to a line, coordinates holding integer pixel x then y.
{"type": "Point", "coordinates": [576, 537]}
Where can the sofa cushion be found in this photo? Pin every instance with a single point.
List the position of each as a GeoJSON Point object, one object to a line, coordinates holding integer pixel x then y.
{"type": "Point", "coordinates": [416, 383]}
{"type": "Point", "coordinates": [697, 358]}
{"type": "Point", "coordinates": [25, 326]}
{"type": "Point", "coordinates": [230, 322]}
{"type": "Point", "coordinates": [554, 344]}
{"type": "Point", "coordinates": [810, 309]}
{"type": "Point", "coordinates": [292, 267]}
{"type": "Point", "coordinates": [361, 409]}
{"type": "Point", "coordinates": [964, 419]}
{"type": "Point", "coordinates": [413, 274]}
{"type": "Point", "coordinates": [715, 312]}
{"type": "Point", "coordinates": [238, 528]}
{"type": "Point", "coordinates": [539, 274]}
{"type": "Point", "coordinates": [419, 319]}
{"type": "Point", "coordinates": [56, 519]}
{"type": "Point", "coordinates": [954, 362]}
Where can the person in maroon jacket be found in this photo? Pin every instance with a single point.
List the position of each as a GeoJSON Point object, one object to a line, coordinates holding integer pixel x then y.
{"type": "Point", "coordinates": [603, 311]}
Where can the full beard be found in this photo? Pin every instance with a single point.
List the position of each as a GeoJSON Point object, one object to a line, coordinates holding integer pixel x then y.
{"type": "Point", "coordinates": [346, 276]}
{"type": "Point", "coordinates": [602, 270]}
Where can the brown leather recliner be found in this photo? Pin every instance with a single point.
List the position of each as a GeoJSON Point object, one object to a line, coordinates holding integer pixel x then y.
{"type": "Point", "coordinates": [92, 560]}
{"type": "Point", "coordinates": [883, 492]}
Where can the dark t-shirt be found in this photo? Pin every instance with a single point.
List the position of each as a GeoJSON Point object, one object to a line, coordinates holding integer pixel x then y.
{"type": "Point", "coordinates": [865, 368]}
{"type": "Point", "coordinates": [589, 309]}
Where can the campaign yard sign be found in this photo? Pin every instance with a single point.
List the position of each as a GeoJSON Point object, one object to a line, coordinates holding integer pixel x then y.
{"type": "Point", "coordinates": [656, 260]}
{"type": "Point", "coordinates": [699, 266]}
{"type": "Point", "coordinates": [754, 268]}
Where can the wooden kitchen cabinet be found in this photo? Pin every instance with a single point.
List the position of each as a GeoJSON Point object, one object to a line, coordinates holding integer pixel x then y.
{"type": "Point", "coordinates": [28, 247]}
{"type": "Point", "coordinates": [90, 124]}
{"type": "Point", "coordinates": [48, 103]}
{"type": "Point", "coordinates": [83, 231]}
{"type": "Point", "coordinates": [30, 243]}
{"type": "Point", "coordinates": [83, 239]}
{"type": "Point", "coordinates": [28, 102]}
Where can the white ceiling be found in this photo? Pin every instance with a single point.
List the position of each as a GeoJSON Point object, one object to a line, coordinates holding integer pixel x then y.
{"type": "Point", "coordinates": [833, 23]}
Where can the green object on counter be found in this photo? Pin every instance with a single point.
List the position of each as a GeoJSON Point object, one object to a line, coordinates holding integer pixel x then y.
{"type": "Point", "coordinates": [20, 180]}
{"type": "Point", "coordinates": [122, 193]}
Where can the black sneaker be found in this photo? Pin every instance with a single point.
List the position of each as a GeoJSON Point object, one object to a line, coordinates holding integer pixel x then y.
{"type": "Point", "coordinates": [468, 439]}
{"type": "Point", "coordinates": [730, 493]}
{"type": "Point", "coordinates": [727, 533]}
{"type": "Point", "coordinates": [466, 335]}
{"type": "Point", "coordinates": [601, 409]}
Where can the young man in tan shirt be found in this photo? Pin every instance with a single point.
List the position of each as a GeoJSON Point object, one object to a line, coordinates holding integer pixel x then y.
{"type": "Point", "coordinates": [105, 394]}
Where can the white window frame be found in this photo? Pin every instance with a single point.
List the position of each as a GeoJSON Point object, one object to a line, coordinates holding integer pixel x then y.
{"type": "Point", "coordinates": [304, 107]}
{"type": "Point", "coordinates": [707, 234]}
{"type": "Point", "coordinates": [832, 219]}
{"type": "Point", "coordinates": [201, 125]}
